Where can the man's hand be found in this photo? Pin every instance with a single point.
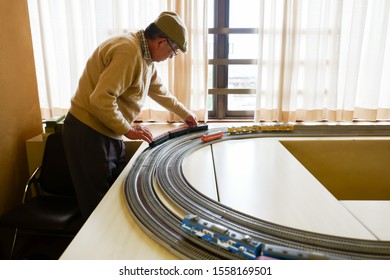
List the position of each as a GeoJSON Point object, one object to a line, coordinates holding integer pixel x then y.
{"type": "Point", "coordinates": [191, 121]}
{"type": "Point", "coordinates": [138, 132]}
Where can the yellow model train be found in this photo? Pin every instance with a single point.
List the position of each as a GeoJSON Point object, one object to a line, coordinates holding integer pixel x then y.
{"type": "Point", "coordinates": [260, 128]}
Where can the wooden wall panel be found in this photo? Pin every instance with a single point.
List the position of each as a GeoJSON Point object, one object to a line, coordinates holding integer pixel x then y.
{"type": "Point", "coordinates": [20, 117]}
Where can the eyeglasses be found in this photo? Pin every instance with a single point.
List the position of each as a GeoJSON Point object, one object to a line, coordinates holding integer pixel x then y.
{"type": "Point", "coordinates": [174, 52]}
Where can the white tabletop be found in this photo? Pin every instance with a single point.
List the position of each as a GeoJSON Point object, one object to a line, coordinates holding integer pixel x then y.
{"type": "Point", "coordinates": [372, 214]}
{"type": "Point", "coordinates": [261, 178]}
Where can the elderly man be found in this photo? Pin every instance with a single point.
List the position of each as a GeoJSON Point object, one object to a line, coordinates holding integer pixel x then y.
{"type": "Point", "coordinates": [110, 95]}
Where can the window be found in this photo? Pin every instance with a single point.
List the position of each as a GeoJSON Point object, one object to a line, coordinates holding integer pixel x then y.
{"type": "Point", "coordinates": [233, 52]}
{"type": "Point", "coordinates": [301, 60]}
{"type": "Point", "coordinates": [267, 60]}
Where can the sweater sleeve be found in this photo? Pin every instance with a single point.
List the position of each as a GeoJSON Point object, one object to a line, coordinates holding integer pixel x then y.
{"type": "Point", "coordinates": [159, 93]}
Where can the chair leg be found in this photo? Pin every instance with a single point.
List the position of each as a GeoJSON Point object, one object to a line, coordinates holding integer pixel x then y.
{"type": "Point", "coordinates": [13, 244]}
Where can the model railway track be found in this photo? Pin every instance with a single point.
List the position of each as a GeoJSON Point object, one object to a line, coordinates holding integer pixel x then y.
{"type": "Point", "coordinates": [155, 218]}
{"type": "Point", "coordinates": [160, 167]}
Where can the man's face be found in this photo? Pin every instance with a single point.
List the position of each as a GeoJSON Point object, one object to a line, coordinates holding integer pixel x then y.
{"type": "Point", "coordinates": [162, 49]}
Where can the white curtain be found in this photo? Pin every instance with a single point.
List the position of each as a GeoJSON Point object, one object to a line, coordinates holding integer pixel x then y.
{"type": "Point", "coordinates": [318, 59]}
{"type": "Point", "coordinates": [324, 60]}
{"type": "Point", "coordinates": [65, 33]}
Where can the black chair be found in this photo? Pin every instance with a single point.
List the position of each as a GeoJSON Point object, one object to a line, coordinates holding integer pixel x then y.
{"type": "Point", "coordinates": [49, 205]}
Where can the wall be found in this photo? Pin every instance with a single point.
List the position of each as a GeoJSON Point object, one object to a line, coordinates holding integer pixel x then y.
{"type": "Point", "coordinates": [20, 117]}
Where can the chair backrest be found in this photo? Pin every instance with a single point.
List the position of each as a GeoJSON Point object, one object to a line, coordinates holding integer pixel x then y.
{"type": "Point", "coordinates": [55, 176]}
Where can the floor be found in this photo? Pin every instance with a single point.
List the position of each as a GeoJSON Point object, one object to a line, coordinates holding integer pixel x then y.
{"type": "Point", "coordinates": [30, 247]}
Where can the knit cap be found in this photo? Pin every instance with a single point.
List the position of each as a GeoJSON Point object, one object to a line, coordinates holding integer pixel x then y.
{"type": "Point", "coordinates": [173, 26]}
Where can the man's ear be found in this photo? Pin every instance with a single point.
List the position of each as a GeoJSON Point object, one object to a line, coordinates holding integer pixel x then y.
{"type": "Point", "coordinates": [155, 43]}
{"type": "Point", "coordinates": [160, 40]}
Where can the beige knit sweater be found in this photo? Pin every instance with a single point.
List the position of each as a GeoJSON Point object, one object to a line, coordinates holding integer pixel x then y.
{"type": "Point", "coordinates": [114, 85]}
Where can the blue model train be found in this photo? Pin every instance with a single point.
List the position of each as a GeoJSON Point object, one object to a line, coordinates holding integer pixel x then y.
{"type": "Point", "coordinates": [242, 244]}
{"type": "Point", "coordinates": [221, 236]}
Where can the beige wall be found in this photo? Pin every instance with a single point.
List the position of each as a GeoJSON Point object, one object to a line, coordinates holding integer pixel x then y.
{"type": "Point", "coordinates": [20, 117]}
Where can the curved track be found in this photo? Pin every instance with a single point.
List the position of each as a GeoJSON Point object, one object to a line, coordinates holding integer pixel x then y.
{"type": "Point", "coordinates": [161, 168]}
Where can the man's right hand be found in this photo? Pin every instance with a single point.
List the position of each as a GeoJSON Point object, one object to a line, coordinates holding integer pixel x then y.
{"type": "Point", "coordinates": [138, 132]}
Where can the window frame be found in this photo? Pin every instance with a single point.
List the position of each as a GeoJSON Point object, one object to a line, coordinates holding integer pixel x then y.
{"type": "Point", "coordinates": [219, 89]}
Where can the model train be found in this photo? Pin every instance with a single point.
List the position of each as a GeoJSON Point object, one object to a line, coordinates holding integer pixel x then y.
{"type": "Point", "coordinates": [179, 131]}
{"type": "Point", "coordinates": [210, 136]}
{"type": "Point", "coordinates": [279, 127]}
{"type": "Point", "coordinates": [221, 236]}
{"type": "Point", "coordinates": [241, 244]}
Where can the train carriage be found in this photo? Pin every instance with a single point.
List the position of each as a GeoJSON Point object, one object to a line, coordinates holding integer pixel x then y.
{"type": "Point", "coordinates": [177, 132]}
{"type": "Point", "coordinates": [283, 253]}
{"type": "Point", "coordinates": [238, 243]}
{"type": "Point", "coordinates": [210, 136]}
{"type": "Point", "coordinates": [279, 127]}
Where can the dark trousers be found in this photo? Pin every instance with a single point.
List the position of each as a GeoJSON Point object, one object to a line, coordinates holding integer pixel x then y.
{"type": "Point", "coordinates": [94, 160]}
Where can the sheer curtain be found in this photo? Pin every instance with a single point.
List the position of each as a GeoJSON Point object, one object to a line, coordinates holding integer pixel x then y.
{"type": "Point", "coordinates": [324, 60]}
{"type": "Point", "coordinates": [65, 33]}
